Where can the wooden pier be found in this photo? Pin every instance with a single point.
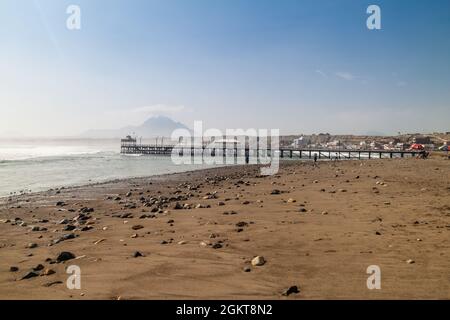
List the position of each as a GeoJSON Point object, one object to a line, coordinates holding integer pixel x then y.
{"type": "Point", "coordinates": [129, 146]}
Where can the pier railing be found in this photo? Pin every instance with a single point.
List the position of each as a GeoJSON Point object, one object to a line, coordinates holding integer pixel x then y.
{"type": "Point", "coordinates": [283, 152]}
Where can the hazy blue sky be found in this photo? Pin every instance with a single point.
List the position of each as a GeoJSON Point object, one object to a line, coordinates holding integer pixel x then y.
{"type": "Point", "coordinates": [301, 66]}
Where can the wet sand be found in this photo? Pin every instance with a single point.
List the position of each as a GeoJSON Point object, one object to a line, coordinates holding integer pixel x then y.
{"type": "Point", "coordinates": [197, 233]}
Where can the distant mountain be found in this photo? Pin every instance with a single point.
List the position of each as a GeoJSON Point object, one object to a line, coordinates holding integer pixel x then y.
{"type": "Point", "coordinates": [153, 127]}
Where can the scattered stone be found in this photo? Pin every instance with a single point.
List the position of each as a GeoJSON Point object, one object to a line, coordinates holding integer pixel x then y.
{"type": "Point", "coordinates": [302, 209]}
{"type": "Point", "coordinates": [137, 254]}
{"type": "Point", "coordinates": [13, 269]}
{"type": "Point", "coordinates": [291, 290]}
{"type": "Point", "coordinates": [258, 261]}
{"type": "Point", "coordinates": [65, 256]}
{"type": "Point", "coordinates": [178, 206]}
{"type": "Point", "coordinates": [30, 275]}
{"type": "Point", "coordinates": [60, 204]}
{"type": "Point", "coordinates": [247, 269]}
{"type": "Point", "coordinates": [275, 191]}
{"type": "Point", "coordinates": [290, 200]}
{"type": "Point", "coordinates": [410, 261]}
{"type": "Point", "coordinates": [32, 245]}
{"type": "Point", "coordinates": [86, 210]}
{"type": "Point", "coordinates": [182, 242]}
{"type": "Point", "coordinates": [48, 272]}
{"type": "Point", "coordinates": [241, 224]}
{"type": "Point", "coordinates": [69, 227]}
{"type": "Point", "coordinates": [49, 284]}
{"type": "Point", "coordinates": [217, 245]}
{"type": "Point", "coordinates": [39, 267]}
{"type": "Point", "coordinates": [137, 227]}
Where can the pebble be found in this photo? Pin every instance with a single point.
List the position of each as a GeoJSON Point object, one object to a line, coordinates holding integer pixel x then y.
{"type": "Point", "coordinates": [247, 269]}
{"type": "Point", "coordinates": [32, 245]}
{"type": "Point", "coordinates": [258, 261]}
{"type": "Point", "coordinates": [48, 272]}
{"type": "Point", "coordinates": [137, 227]}
{"type": "Point", "coordinates": [137, 254]}
{"type": "Point", "coordinates": [410, 261]}
{"type": "Point", "coordinates": [13, 269]}
{"type": "Point", "coordinates": [64, 256]}
{"type": "Point", "coordinates": [30, 275]}
{"type": "Point", "coordinates": [291, 290]}
{"type": "Point", "coordinates": [39, 267]}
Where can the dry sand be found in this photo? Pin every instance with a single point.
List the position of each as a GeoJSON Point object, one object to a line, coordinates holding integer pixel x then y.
{"type": "Point", "coordinates": [320, 233]}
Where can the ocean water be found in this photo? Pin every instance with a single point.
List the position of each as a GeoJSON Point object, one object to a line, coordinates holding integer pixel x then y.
{"type": "Point", "coordinates": [38, 165]}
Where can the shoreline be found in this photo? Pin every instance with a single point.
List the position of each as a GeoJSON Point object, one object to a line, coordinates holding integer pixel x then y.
{"type": "Point", "coordinates": [317, 227]}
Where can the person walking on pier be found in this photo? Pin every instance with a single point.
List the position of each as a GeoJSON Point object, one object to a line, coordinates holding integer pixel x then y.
{"type": "Point", "coordinates": [315, 160]}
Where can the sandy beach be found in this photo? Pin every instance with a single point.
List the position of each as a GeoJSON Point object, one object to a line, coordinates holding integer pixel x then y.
{"type": "Point", "coordinates": [193, 235]}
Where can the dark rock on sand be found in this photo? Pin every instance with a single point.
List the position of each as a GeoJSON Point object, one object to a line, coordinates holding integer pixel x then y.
{"type": "Point", "coordinates": [291, 290]}
{"type": "Point", "coordinates": [30, 275]}
{"type": "Point", "coordinates": [65, 256]}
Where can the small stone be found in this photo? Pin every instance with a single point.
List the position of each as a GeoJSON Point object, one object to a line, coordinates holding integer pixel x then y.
{"type": "Point", "coordinates": [178, 206]}
{"type": "Point", "coordinates": [247, 269]}
{"type": "Point", "coordinates": [275, 191]}
{"type": "Point", "coordinates": [216, 245]}
{"type": "Point", "coordinates": [290, 200]}
{"type": "Point", "coordinates": [291, 290]}
{"type": "Point", "coordinates": [48, 272]}
{"type": "Point", "coordinates": [13, 269]}
{"type": "Point", "coordinates": [241, 224]}
{"type": "Point", "coordinates": [69, 227]}
{"type": "Point", "coordinates": [64, 256]}
{"type": "Point", "coordinates": [32, 245]}
{"type": "Point", "coordinates": [30, 275]}
{"type": "Point", "coordinates": [410, 261]}
{"type": "Point", "coordinates": [137, 227]}
{"type": "Point", "coordinates": [182, 242]}
{"type": "Point", "coordinates": [39, 267]}
{"type": "Point", "coordinates": [221, 203]}
{"type": "Point", "coordinates": [258, 261]}
{"type": "Point", "coordinates": [63, 221]}
{"type": "Point", "coordinates": [302, 210]}
{"type": "Point", "coordinates": [137, 254]}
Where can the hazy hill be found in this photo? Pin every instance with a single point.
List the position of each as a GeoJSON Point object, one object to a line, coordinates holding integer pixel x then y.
{"type": "Point", "coordinates": [153, 127]}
